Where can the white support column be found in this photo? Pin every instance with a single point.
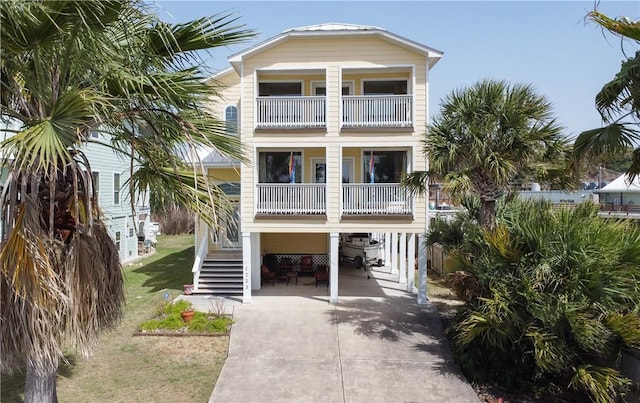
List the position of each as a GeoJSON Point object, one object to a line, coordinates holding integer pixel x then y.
{"type": "Point", "coordinates": [246, 267]}
{"type": "Point", "coordinates": [256, 261]}
{"type": "Point", "coordinates": [394, 253]}
{"type": "Point", "coordinates": [411, 262]}
{"type": "Point", "coordinates": [403, 258]}
{"type": "Point", "coordinates": [422, 271]}
{"type": "Point", "coordinates": [333, 267]}
{"type": "Point", "coordinates": [387, 249]}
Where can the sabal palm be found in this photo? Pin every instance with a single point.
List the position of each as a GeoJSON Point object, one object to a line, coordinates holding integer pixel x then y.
{"type": "Point", "coordinates": [618, 103]}
{"type": "Point", "coordinates": [69, 68]}
{"type": "Point", "coordinates": [488, 135]}
{"type": "Point", "coordinates": [556, 299]}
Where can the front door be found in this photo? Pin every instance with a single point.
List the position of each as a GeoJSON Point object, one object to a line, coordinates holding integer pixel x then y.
{"type": "Point", "coordinates": [231, 237]}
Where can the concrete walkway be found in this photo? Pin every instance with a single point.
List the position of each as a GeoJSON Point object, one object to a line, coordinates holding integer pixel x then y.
{"type": "Point", "coordinates": [376, 345]}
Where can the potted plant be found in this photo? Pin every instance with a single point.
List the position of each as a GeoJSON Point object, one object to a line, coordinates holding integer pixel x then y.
{"type": "Point", "coordinates": [187, 314]}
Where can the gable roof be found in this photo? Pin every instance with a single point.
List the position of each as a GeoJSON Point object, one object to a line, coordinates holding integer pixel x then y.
{"type": "Point", "coordinates": [336, 30]}
{"type": "Point", "coordinates": [621, 185]}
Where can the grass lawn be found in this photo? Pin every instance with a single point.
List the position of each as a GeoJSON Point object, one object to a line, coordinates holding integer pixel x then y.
{"type": "Point", "coordinates": [124, 368]}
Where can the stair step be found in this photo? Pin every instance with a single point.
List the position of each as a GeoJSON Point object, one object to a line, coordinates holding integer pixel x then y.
{"type": "Point", "coordinates": [209, 280]}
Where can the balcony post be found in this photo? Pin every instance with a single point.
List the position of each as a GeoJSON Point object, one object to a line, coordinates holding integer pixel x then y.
{"type": "Point", "coordinates": [246, 268]}
{"type": "Point", "coordinates": [403, 258]}
{"type": "Point", "coordinates": [394, 253]}
{"type": "Point", "coordinates": [411, 262]}
{"type": "Point", "coordinates": [422, 271]}
{"type": "Point", "coordinates": [333, 267]}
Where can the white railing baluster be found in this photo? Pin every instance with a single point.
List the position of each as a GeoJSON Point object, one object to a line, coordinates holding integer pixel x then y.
{"type": "Point", "coordinates": [375, 198]}
{"type": "Point", "coordinates": [377, 111]}
{"type": "Point", "coordinates": [278, 112]}
{"type": "Point", "coordinates": [291, 198]}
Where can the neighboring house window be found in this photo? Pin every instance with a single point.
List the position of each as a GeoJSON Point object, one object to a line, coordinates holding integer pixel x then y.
{"type": "Point", "coordinates": [94, 134]}
{"type": "Point", "coordinates": [231, 119]}
{"type": "Point", "coordinates": [387, 166]}
{"type": "Point", "coordinates": [116, 188]}
{"type": "Point", "coordinates": [96, 184]}
{"type": "Point", "coordinates": [276, 167]}
{"type": "Point", "coordinates": [391, 87]}
{"type": "Point", "coordinates": [118, 240]}
{"type": "Point", "coordinates": [130, 232]}
{"type": "Point", "coordinates": [279, 89]}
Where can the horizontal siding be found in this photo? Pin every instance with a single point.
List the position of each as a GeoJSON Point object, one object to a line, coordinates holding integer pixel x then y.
{"type": "Point", "coordinates": [316, 53]}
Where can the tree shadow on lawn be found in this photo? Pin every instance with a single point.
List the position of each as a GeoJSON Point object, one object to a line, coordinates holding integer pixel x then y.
{"type": "Point", "coordinates": [12, 386]}
{"type": "Point", "coordinates": [400, 320]}
{"type": "Point", "coordinates": [169, 272]}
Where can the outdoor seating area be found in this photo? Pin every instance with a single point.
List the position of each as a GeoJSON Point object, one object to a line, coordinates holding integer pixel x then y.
{"type": "Point", "coordinates": [287, 268]}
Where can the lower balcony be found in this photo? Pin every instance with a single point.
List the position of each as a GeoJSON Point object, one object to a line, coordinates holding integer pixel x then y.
{"type": "Point", "coordinates": [310, 199]}
{"type": "Point", "coordinates": [291, 199]}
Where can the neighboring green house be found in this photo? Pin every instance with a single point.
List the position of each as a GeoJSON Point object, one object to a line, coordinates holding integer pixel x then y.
{"type": "Point", "coordinates": [111, 175]}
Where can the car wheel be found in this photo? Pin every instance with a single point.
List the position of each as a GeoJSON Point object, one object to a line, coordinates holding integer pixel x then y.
{"type": "Point", "coordinates": [358, 261]}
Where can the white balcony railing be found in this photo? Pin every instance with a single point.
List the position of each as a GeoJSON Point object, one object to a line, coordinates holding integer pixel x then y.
{"type": "Point", "coordinates": [377, 111]}
{"type": "Point", "coordinates": [291, 198]}
{"type": "Point", "coordinates": [283, 112]}
{"type": "Point", "coordinates": [375, 198]}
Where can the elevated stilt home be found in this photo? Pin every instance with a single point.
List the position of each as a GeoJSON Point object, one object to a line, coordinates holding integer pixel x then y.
{"type": "Point", "coordinates": [332, 116]}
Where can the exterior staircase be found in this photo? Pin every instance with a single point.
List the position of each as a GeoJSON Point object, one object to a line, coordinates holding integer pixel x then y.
{"type": "Point", "coordinates": [221, 274]}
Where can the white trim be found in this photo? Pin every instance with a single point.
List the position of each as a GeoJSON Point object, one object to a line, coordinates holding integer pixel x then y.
{"type": "Point", "coordinates": [313, 162]}
{"type": "Point", "coordinates": [113, 188]}
{"type": "Point", "coordinates": [323, 84]}
{"type": "Point", "coordinates": [301, 82]}
{"type": "Point", "coordinates": [352, 161]}
{"type": "Point", "coordinates": [237, 58]}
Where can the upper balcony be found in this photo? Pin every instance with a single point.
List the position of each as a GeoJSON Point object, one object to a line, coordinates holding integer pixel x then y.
{"type": "Point", "coordinates": [292, 100]}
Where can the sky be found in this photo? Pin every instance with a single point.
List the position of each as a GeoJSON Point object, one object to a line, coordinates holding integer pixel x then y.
{"type": "Point", "coordinates": [548, 44]}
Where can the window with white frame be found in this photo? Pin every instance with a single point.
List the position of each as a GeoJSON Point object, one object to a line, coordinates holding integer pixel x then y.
{"type": "Point", "coordinates": [116, 188]}
{"type": "Point", "coordinates": [117, 240]}
{"type": "Point", "coordinates": [231, 119]}
{"type": "Point", "coordinates": [280, 167]}
{"type": "Point", "coordinates": [386, 167]}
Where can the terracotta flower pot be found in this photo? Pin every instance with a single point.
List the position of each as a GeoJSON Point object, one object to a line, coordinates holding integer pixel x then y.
{"type": "Point", "coordinates": [187, 315]}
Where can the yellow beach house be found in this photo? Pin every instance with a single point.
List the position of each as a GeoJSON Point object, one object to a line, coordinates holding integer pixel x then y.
{"type": "Point", "coordinates": [331, 117]}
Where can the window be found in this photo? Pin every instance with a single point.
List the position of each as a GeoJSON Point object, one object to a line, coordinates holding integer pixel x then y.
{"type": "Point", "coordinates": [392, 87]}
{"type": "Point", "coordinates": [117, 240]}
{"type": "Point", "coordinates": [320, 88]}
{"type": "Point", "coordinates": [279, 89]}
{"type": "Point", "coordinates": [387, 166]}
{"type": "Point", "coordinates": [96, 184]}
{"type": "Point", "coordinates": [131, 232]}
{"type": "Point", "coordinates": [116, 188]}
{"type": "Point", "coordinates": [277, 167]}
{"type": "Point", "coordinates": [231, 119]}
{"type": "Point", "coordinates": [94, 134]}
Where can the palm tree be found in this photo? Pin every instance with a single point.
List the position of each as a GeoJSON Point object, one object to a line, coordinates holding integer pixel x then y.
{"type": "Point", "coordinates": [618, 103]}
{"type": "Point", "coordinates": [486, 137]}
{"type": "Point", "coordinates": [69, 68]}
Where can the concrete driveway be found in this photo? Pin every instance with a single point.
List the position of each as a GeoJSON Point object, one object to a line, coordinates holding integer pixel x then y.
{"type": "Point", "coordinates": [376, 345]}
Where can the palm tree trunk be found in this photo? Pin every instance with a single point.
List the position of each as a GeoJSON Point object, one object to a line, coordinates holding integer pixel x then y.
{"type": "Point", "coordinates": [41, 387]}
{"type": "Point", "coordinates": [488, 212]}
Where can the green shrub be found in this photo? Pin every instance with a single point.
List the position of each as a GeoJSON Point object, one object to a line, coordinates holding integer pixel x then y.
{"type": "Point", "coordinates": [556, 298]}
{"type": "Point", "coordinates": [169, 318]}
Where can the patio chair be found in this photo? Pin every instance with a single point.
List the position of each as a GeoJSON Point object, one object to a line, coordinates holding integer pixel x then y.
{"type": "Point", "coordinates": [267, 275]}
{"type": "Point", "coordinates": [322, 274]}
{"type": "Point", "coordinates": [306, 265]}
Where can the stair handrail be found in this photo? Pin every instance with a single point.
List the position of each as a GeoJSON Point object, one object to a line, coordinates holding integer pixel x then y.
{"type": "Point", "coordinates": [197, 263]}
